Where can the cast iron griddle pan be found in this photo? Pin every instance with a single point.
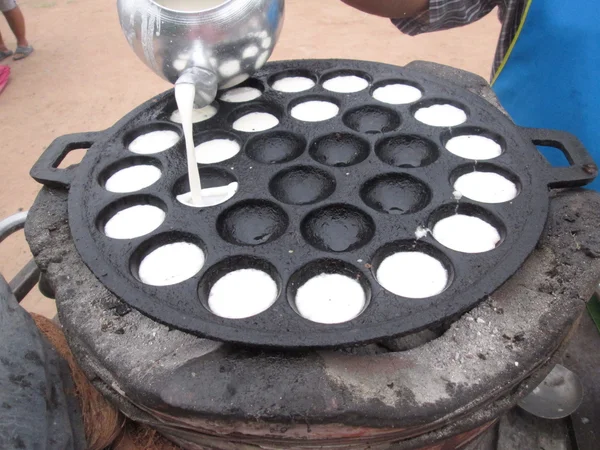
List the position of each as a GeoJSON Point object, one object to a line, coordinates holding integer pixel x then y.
{"type": "Point", "coordinates": [342, 220]}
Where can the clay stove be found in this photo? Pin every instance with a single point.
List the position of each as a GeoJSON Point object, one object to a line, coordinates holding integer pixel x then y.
{"type": "Point", "coordinates": [441, 388]}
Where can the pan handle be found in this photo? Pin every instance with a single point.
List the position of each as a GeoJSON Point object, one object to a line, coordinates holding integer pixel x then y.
{"type": "Point", "coordinates": [582, 169]}
{"type": "Point", "coordinates": [46, 171]}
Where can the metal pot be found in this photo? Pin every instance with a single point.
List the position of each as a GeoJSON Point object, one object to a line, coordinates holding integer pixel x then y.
{"type": "Point", "coordinates": [219, 46]}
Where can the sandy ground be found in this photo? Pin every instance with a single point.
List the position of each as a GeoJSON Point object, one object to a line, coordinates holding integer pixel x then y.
{"type": "Point", "coordinates": [84, 77]}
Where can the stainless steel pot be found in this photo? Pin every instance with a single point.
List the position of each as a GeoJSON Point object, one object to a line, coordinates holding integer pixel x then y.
{"type": "Point", "coordinates": [206, 42]}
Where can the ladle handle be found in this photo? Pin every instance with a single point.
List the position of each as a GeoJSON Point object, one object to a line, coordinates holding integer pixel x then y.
{"type": "Point", "coordinates": [582, 169]}
{"type": "Point", "coordinates": [46, 171]}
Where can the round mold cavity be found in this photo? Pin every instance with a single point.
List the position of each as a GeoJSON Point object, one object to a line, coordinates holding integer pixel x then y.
{"type": "Point", "coordinates": [131, 217]}
{"type": "Point", "coordinates": [485, 183]}
{"type": "Point", "coordinates": [216, 146]}
{"type": "Point", "coordinates": [276, 147]}
{"type": "Point", "coordinates": [291, 81]}
{"type": "Point", "coordinates": [407, 151]}
{"type": "Point", "coordinates": [130, 175]}
{"type": "Point", "coordinates": [372, 119]}
{"type": "Point", "coordinates": [152, 138]}
{"type": "Point", "coordinates": [329, 291]}
{"type": "Point", "coordinates": [167, 259]}
{"type": "Point", "coordinates": [302, 185]}
{"type": "Point", "coordinates": [395, 193]}
{"type": "Point", "coordinates": [218, 186]}
{"type": "Point", "coordinates": [440, 113]}
{"type": "Point", "coordinates": [314, 109]}
{"type": "Point", "coordinates": [240, 287]}
{"type": "Point", "coordinates": [474, 143]}
{"type": "Point", "coordinates": [253, 118]}
{"type": "Point", "coordinates": [466, 228]}
{"type": "Point", "coordinates": [396, 92]}
{"type": "Point", "coordinates": [412, 269]}
{"type": "Point", "coordinates": [248, 91]}
{"type": "Point", "coordinates": [338, 228]}
{"type": "Point", "coordinates": [346, 81]}
{"type": "Point", "coordinates": [198, 114]}
{"type": "Point", "coordinates": [252, 222]}
{"type": "Point", "coordinates": [339, 150]}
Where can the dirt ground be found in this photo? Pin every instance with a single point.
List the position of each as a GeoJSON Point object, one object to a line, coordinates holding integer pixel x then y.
{"type": "Point", "coordinates": [84, 77]}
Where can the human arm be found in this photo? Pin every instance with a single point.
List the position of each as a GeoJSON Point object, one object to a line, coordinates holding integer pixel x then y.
{"type": "Point", "coordinates": [424, 16]}
{"type": "Point", "coordinates": [392, 9]}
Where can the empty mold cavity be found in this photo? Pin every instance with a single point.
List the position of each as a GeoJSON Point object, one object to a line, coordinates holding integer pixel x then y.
{"type": "Point", "coordinates": [198, 114]}
{"type": "Point", "coordinates": [395, 193]}
{"type": "Point", "coordinates": [440, 113]}
{"type": "Point", "coordinates": [314, 109]}
{"type": "Point", "coordinates": [168, 259]}
{"type": "Point", "coordinates": [371, 119]}
{"type": "Point", "coordinates": [485, 183]}
{"type": "Point", "coordinates": [132, 217]}
{"type": "Point", "coordinates": [218, 186]}
{"type": "Point", "coordinates": [396, 92]}
{"type": "Point", "coordinates": [152, 138]}
{"type": "Point", "coordinates": [216, 146]}
{"type": "Point", "coordinates": [252, 222]}
{"type": "Point", "coordinates": [131, 175]}
{"type": "Point", "coordinates": [254, 118]}
{"type": "Point", "coordinates": [339, 150]}
{"type": "Point", "coordinates": [407, 151]}
{"type": "Point", "coordinates": [329, 292]}
{"type": "Point", "coordinates": [293, 81]}
{"type": "Point", "coordinates": [346, 82]}
{"type": "Point", "coordinates": [240, 287]}
{"type": "Point", "coordinates": [246, 93]}
{"type": "Point", "coordinates": [474, 143]}
{"type": "Point", "coordinates": [412, 270]}
{"type": "Point", "coordinates": [302, 185]}
{"type": "Point", "coordinates": [276, 147]}
{"type": "Point", "coordinates": [466, 228]}
{"type": "Point", "coordinates": [338, 228]}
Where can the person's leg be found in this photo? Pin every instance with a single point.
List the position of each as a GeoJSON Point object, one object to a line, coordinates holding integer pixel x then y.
{"type": "Point", "coordinates": [5, 5]}
{"type": "Point", "coordinates": [16, 22]}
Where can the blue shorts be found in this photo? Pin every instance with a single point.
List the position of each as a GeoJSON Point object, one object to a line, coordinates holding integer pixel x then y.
{"type": "Point", "coordinates": [7, 5]}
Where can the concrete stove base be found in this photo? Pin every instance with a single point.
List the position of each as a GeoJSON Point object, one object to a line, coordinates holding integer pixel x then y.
{"type": "Point", "coordinates": [208, 395]}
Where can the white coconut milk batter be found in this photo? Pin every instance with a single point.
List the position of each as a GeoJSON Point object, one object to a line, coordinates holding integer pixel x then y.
{"type": "Point", "coordinates": [242, 293]}
{"type": "Point", "coordinates": [154, 142]}
{"type": "Point", "coordinates": [315, 111]}
{"type": "Point", "coordinates": [441, 115]}
{"type": "Point", "coordinates": [216, 150]}
{"type": "Point", "coordinates": [256, 121]}
{"type": "Point", "coordinates": [210, 196]}
{"type": "Point", "coordinates": [478, 148]}
{"type": "Point", "coordinates": [330, 298]}
{"type": "Point", "coordinates": [346, 84]}
{"type": "Point", "coordinates": [486, 187]}
{"type": "Point", "coordinates": [241, 95]}
{"type": "Point", "coordinates": [466, 234]}
{"type": "Point", "coordinates": [397, 94]}
{"type": "Point", "coordinates": [132, 179]}
{"type": "Point", "coordinates": [171, 264]}
{"type": "Point", "coordinates": [134, 222]}
{"type": "Point", "coordinates": [189, 5]}
{"type": "Point", "coordinates": [293, 84]}
{"type": "Point", "coordinates": [198, 114]}
{"type": "Point", "coordinates": [185, 94]}
{"type": "Point", "coordinates": [412, 275]}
